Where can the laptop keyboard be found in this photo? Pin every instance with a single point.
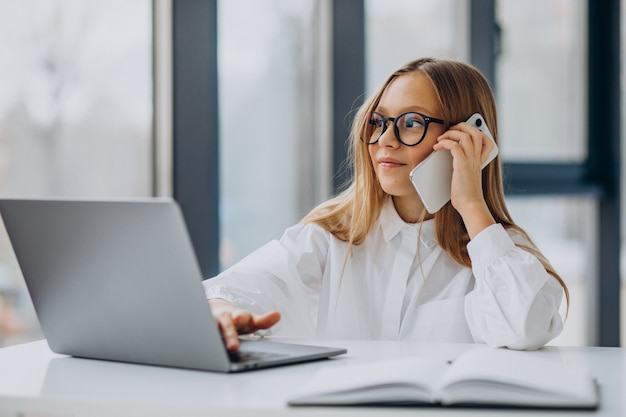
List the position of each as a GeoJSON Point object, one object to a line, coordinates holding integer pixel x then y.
{"type": "Point", "coordinates": [239, 357]}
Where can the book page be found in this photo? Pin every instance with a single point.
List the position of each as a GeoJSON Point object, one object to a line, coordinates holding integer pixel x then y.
{"type": "Point", "coordinates": [401, 380]}
{"type": "Point", "coordinates": [507, 377]}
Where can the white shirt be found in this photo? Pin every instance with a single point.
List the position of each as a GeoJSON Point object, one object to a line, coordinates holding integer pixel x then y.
{"type": "Point", "coordinates": [385, 292]}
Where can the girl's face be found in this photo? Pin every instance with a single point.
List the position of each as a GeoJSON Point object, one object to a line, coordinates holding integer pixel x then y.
{"type": "Point", "coordinates": [393, 161]}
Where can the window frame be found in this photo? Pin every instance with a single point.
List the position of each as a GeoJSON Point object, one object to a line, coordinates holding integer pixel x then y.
{"type": "Point", "coordinates": [195, 139]}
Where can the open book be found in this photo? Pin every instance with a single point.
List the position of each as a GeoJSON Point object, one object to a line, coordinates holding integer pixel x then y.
{"type": "Point", "coordinates": [479, 377]}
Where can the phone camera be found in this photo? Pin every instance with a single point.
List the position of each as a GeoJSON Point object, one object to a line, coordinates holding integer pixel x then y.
{"type": "Point", "coordinates": [479, 122]}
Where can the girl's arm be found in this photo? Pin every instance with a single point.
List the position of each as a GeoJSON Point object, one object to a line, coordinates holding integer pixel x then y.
{"type": "Point", "coordinates": [282, 277]}
{"type": "Point", "coordinates": [515, 302]}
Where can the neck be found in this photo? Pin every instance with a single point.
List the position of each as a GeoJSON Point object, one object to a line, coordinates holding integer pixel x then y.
{"type": "Point", "coordinates": [411, 210]}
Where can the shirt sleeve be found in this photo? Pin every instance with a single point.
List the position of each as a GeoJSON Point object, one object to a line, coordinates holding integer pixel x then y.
{"type": "Point", "coordinates": [283, 275]}
{"type": "Point", "coordinates": [515, 302]}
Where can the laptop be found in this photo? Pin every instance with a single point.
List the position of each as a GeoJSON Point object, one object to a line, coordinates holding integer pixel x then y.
{"type": "Point", "coordinates": [118, 280]}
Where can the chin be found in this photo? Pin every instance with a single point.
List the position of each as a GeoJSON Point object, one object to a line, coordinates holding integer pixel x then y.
{"type": "Point", "coordinates": [399, 190]}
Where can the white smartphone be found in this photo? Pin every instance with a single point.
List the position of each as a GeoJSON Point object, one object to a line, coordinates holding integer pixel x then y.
{"type": "Point", "coordinates": [432, 178]}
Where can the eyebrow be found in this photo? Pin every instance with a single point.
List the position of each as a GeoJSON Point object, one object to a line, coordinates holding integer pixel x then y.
{"type": "Point", "coordinates": [382, 110]}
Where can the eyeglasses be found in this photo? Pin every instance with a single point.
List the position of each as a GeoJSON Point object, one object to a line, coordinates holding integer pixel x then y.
{"type": "Point", "coordinates": [410, 127]}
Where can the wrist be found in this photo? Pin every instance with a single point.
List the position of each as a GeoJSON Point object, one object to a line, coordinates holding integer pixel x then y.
{"type": "Point", "coordinates": [220, 304]}
{"type": "Point", "coordinates": [476, 217]}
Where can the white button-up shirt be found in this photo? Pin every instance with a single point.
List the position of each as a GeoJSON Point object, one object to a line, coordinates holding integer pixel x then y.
{"type": "Point", "coordinates": [398, 284]}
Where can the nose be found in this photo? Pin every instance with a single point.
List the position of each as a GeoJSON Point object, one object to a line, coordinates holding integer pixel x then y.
{"type": "Point", "coordinates": [388, 138]}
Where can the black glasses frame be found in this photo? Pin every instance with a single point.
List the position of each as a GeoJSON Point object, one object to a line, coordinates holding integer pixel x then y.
{"type": "Point", "coordinates": [427, 121]}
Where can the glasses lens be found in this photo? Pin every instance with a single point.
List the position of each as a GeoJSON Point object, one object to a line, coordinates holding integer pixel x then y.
{"type": "Point", "coordinates": [376, 125]}
{"type": "Point", "coordinates": [411, 127]}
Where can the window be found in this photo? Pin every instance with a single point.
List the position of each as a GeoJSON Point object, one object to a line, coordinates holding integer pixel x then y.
{"type": "Point", "coordinates": [399, 31]}
{"type": "Point", "coordinates": [541, 80]}
{"type": "Point", "coordinates": [272, 164]}
{"type": "Point", "coordinates": [541, 94]}
{"type": "Point", "coordinates": [75, 114]}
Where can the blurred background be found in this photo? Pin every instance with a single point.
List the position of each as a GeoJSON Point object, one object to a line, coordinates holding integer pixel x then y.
{"type": "Point", "coordinates": [97, 99]}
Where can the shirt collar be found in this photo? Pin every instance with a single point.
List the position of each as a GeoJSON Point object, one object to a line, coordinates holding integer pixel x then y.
{"type": "Point", "coordinates": [391, 224]}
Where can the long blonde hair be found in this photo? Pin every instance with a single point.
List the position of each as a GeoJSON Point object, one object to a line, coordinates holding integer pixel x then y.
{"type": "Point", "coordinates": [462, 90]}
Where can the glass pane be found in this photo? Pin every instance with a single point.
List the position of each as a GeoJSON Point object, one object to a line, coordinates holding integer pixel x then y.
{"type": "Point", "coordinates": [567, 238]}
{"type": "Point", "coordinates": [269, 137]}
{"type": "Point", "coordinates": [540, 80]}
{"type": "Point", "coordinates": [75, 114]}
{"type": "Point", "coordinates": [399, 31]}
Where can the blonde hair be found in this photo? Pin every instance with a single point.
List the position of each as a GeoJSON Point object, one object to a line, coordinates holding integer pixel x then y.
{"type": "Point", "coordinates": [462, 90]}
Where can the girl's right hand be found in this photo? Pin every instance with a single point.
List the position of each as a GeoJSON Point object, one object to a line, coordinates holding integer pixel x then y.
{"type": "Point", "coordinates": [234, 321]}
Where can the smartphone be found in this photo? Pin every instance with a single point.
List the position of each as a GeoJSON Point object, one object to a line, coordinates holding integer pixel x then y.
{"type": "Point", "coordinates": [432, 178]}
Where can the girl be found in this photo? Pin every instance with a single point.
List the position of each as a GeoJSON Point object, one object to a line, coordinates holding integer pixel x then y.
{"type": "Point", "coordinates": [371, 263]}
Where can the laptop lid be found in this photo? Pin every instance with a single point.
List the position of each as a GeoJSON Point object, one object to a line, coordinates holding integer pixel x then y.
{"type": "Point", "coordinates": [119, 280]}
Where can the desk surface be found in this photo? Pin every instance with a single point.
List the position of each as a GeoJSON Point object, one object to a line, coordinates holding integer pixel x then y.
{"type": "Point", "coordinates": [35, 381]}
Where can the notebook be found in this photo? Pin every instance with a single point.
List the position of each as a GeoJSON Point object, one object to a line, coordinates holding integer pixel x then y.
{"type": "Point", "coordinates": [119, 280]}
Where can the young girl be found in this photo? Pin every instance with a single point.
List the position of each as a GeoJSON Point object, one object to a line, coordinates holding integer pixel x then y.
{"type": "Point", "coordinates": [371, 263]}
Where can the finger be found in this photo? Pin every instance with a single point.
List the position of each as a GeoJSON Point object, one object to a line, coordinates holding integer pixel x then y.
{"type": "Point", "coordinates": [465, 133]}
{"type": "Point", "coordinates": [466, 141]}
{"type": "Point", "coordinates": [266, 320]}
{"type": "Point", "coordinates": [453, 141]}
{"type": "Point", "coordinates": [229, 331]}
{"type": "Point", "coordinates": [484, 145]}
{"type": "Point", "coordinates": [488, 147]}
{"type": "Point", "coordinates": [247, 322]}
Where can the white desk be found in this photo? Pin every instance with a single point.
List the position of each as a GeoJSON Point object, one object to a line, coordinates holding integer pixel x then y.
{"type": "Point", "coordinates": [36, 382]}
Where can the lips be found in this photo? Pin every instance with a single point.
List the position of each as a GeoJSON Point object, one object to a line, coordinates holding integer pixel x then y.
{"type": "Point", "coordinates": [390, 163]}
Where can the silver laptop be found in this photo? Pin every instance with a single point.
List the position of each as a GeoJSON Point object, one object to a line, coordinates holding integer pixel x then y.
{"type": "Point", "coordinates": [119, 280]}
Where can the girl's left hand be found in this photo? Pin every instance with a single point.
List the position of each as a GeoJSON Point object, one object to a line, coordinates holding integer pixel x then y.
{"type": "Point", "coordinates": [469, 148]}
